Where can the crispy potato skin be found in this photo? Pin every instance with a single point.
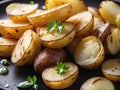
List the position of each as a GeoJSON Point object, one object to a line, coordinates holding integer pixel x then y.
{"type": "Point", "coordinates": [49, 57]}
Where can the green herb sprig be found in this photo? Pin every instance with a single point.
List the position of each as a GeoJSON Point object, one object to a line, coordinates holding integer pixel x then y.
{"type": "Point", "coordinates": [32, 2]}
{"type": "Point", "coordinates": [54, 25]}
{"type": "Point", "coordinates": [30, 82]}
{"type": "Point", "coordinates": [3, 70]}
{"type": "Point", "coordinates": [61, 68]}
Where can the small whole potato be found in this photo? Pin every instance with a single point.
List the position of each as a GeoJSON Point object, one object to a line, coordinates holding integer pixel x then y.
{"type": "Point", "coordinates": [49, 57]}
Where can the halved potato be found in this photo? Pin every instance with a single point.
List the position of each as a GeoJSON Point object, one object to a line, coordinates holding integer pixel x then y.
{"type": "Point", "coordinates": [77, 5]}
{"type": "Point", "coordinates": [56, 81]}
{"type": "Point", "coordinates": [106, 10]}
{"type": "Point", "coordinates": [89, 53]}
{"type": "Point", "coordinates": [54, 39]}
{"type": "Point", "coordinates": [9, 29]}
{"type": "Point", "coordinates": [111, 69]}
{"type": "Point", "coordinates": [97, 83]}
{"type": "Point", "coordinates": [113, 41]}
{"type": "Point", "coordinates": [84, 23]}
{"type": "Point", "coordinates": [6, 46]}
{"type": "Point", "coordinates": [26, 49]}
{"type": "Point", "coordinates": [46, 16]}
{"type": "Point", "coordinates": [18, 12]}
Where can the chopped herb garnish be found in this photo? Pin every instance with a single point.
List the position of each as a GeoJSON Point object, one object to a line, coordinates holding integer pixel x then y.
{"type": "Point", "coordinates": [54, 25]}
{"type": "Point", "coordinates": [30, 82]}
{"type": "Point", "coordinates": [4, 70]}
{"type": "Point", "coordinates": [32, 2]}
{"type": "Point", "coordinates": [61, 68]}
{"type": "Point", "coordinates": [4, 62]}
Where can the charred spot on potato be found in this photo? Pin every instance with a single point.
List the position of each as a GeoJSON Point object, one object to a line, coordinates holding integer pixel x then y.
{"type": "Point", "coordinates": [16, 30]}
{"type": "Point", "coordinates": [96, 80]}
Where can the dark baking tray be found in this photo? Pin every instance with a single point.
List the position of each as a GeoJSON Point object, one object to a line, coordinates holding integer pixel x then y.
{"type": "Point", "coordinates": [18, 74]}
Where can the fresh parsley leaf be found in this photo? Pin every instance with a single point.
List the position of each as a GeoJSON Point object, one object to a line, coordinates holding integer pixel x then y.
{"type": "Point", "coordinates": [61, 68]}
{"type": "Point", "coordinates": [54, 25]}
{"type": "Point", "coordinates": [31, 2]}
{"type": "Point", "coordinates": [24, 85]}
{"type": "Point", "coordinates": [4, 70]}
{"type": "Point", "coordinates": [31, 82]}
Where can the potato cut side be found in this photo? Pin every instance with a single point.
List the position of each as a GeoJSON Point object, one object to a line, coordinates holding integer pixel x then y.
{"type": "Point", "coordinates": [55, 40]}
{"type": "Point", "coordinates": [56, 13]}
{"type": "Point", "coordinates": [89, 53]}
{"type": "Point", "coordinates": [106, 10]}
{"type": "Point", "coordinates": [6, 46]}
{"type": "Point", "coordinates": [56, 81]}
{"type": "Point", "coordinates": [111, 69]}
{"type": "Point", "coordinates": [27, 47]}
{"type": "Point", "coordinates": [113, 41]}
{"type": "Point", "coordinates": [84, 23]}
{"type": "Point", "coordinates": [77, 5]}
{"type": "Point", "coordinates": [10, 29]}
{"type": "Point", "coordinates": [18, 12]}
{"type": "Point", "coordinates": [97, 83]}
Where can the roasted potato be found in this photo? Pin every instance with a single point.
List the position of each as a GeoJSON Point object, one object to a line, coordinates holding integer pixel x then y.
{"type": "Point", "coordinates": [49, 57]}
{"type": "Point", "coordinates": [77, 5]}
{"type": "Point", "coordinates": [89, 53]}
{"type": "Point", "coordinates": [97, 83]}
{"type": "Point", "coordinates": [9, 29]}
{"type": "Point", "coordinates": [113, 41]}
{"type": "Point", "coordinates": [111, 69]}
{"type": "Point", "coordinates": [54, 39]}
{"type": "Point", "coordinates": [56, 81]}
{"type": "Point", "coordinates": [6, 46]}
{"type": "Point", "coordinates": [56, 13]}
{"type": "Point", "coordinates": [84, 23]}
{"type": "Point", "coordinates": [18, 12]}
{"type": "Point", "coordinates": [26, 49]}
{"type": "Point", "coordinates": [106, 10]}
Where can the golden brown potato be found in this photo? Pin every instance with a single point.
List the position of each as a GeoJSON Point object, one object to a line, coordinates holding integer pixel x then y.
{"type": "Point", "coordinates": [49, 57]}
{"type": "Point", "coordinates": [56, 81]}
{"type": "Point", "coordinates": [84, 23]}
{"type": "Point", "coordinates": [10, 29]}
{"type": "Point", "coordinates": [111, 69]}
{"type": "Point", "coordinates": [77, 5]}
{"type": "Point", "coordinates": [6, 46]}
{"type": "Point", "coordinates": [97, 83]}
{"type": "Point", "coordinates": [18, 12]}
{"type": "Point", "coordinates": [42, 18]}
{"type": "Point", "coordinates": [113, 41]}
{"type": "Point", "coordinates": [26, 49]}
{"type": "Point", "coordinates": [54, 39]}
{"type": "Point", "coordinates": [89, 53]}
{"type": "Point", "coordinates": [118, 21]}
{"type": "Point", "coordinates": [106, 11]}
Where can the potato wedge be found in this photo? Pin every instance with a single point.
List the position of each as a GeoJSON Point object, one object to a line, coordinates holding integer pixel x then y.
{"type": "Point", "coordinates": [111, 69]}
{"type": "Point", "coordinates": [56, 81]}
{"type": "Point", "coordinates": [106, 10]}
{"type": "Point", "coordinates": [54, 39]}
{"type": "Point", "coordinates": [9, 29]}
{"type": "Point", "coordinates": [77, 5]}
{"type": "Point", "coordinates": [49, 57]}
{"type": "Point", "coordinates": [6, 46]}
{"type": "Point", "coordinates": [97, 83]}
{"type": "Point", "coordinates": [84, 23]}
{"type": "Point", "coordinates": [18, 12]}
{"type": "Point", "coordinates": [56, 13]}
{"type": "Point", "coordinates": [89, 53]}
{"type": "Point", "coordinates": [26, 49]}
{"type": "Point", "coordinates": [113, 41]}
